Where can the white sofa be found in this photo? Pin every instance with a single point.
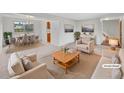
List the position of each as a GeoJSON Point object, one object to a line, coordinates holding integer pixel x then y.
{"type": "Point", "coordinates": [106, 73]}
{"type": "Point", "coordinates": [85, 44]}
{"type": "Point", "coordinates": [39, 71]}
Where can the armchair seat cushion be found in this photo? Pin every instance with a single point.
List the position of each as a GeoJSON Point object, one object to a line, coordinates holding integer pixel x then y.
{"type": "Point", "coordinates": [84, 46]}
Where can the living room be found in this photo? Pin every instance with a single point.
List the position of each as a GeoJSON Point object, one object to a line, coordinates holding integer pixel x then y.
{"type": "Point", "coordinates": [61, 46]}
{"type": "Point", "coordinates": [40, 35]}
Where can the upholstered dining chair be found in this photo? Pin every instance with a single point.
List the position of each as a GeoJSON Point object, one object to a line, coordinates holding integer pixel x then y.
{"type": "Point", "coordinates": [32, 39]}
{"type": "Point", "coordinates": [13, 41]}
{"type": "Point", "coordinates": [29, 40]}
{"type": "Point", "coordinates": [36, 39]}
{"type": "Point", "coordinates": [25, 39]}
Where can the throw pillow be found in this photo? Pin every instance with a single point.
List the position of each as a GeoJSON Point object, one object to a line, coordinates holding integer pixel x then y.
{"type": "Point", "coordinates": [116, 73]}
{"type": "Point", "coordinates": [27, 63]}
{"type": "Point", "coordinates": [18, 67]}
{"type": "Point", "coordinates": [32, 57]}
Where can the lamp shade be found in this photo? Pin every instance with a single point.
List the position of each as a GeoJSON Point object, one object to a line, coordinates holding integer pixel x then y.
{"type": "Point", "coordinates": [113, 42]}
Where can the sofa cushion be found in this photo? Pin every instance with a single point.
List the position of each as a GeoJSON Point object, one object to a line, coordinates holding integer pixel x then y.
{"type": "Point", "coordinates": [32, 57]}
{"type": "Point", "coordinates": [17, 67]}
{"type": "Point", "coordinates": [27, 63]}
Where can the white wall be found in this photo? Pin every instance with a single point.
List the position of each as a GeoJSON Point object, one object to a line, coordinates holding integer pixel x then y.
{"type": "Point", "coordinates": [58, 36]}
{"type": "Point", "coordinates": [55, 32]}
{"type": "Point", "coordinates": [97, 30]}
{"type": "Point", "coordinates": [55, 29]}
{"type": "Point", "coordinates": [1, 35]}
{"type": "Point", "coordinates": [66, 38]}
{"type": "Point", "coordinates": [44, 32]}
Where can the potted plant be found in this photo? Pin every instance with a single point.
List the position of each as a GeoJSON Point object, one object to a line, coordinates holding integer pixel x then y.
{"type": "Point", "coordinates": [77, 35]}
{"type": "Point", "coordinates": [66, 50]}
{"type": "Point", "coordinates": [6, 36]}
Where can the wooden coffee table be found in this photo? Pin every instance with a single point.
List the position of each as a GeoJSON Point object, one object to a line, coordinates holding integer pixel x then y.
{"type": "Point", "coordinates": [65, 60]}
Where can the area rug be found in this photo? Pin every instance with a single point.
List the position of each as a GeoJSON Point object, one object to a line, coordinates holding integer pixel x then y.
{"type": "Point", "coordinates": [82, 70]}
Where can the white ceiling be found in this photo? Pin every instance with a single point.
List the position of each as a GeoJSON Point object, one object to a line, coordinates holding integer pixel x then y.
{"type": "Point", "coordinates": [73, 16]}
{"type": "Point", "coordinates": [80, 16]}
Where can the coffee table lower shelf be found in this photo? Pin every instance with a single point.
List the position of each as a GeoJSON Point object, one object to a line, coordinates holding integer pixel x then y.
{"type": "Point", "coordinates": [66, 65]}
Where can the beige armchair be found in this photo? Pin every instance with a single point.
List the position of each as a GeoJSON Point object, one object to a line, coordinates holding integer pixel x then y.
{"type": "Point", "coordinates": [85, 45]}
